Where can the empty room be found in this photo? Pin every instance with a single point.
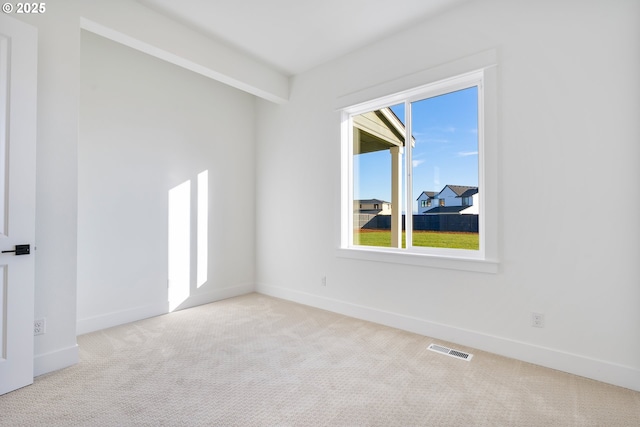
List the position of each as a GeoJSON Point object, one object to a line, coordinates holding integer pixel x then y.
{"type": "Point", "coordinates": [348, 212]}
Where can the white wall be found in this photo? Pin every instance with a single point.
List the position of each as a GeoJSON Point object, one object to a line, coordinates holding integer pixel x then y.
{"type": "Point", "coordinates": [57, 183]}
{"type": "Point", "coordinates": [568, 108]}
{"type": "Point", "coordinates": [474, 209]}
{"type": "Point", "coordinates": [147, 126]}
{"type": "Point", "coordinates": [134, 25]}
{"type": "Point", "coordinates": [568, 119]}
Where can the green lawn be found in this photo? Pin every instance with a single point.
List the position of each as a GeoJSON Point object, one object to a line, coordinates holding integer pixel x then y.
{"type": "Point", "coordinates": [433, 239]}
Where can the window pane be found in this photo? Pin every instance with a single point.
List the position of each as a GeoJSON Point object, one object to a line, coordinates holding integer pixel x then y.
{"type": "Point", "coordinates": [378, 171]}
{"type": "Point", "coordinates": [445, 170]}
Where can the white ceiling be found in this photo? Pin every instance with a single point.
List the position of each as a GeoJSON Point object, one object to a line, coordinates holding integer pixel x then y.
{"type": "Point", "coordinates": [296, 35]}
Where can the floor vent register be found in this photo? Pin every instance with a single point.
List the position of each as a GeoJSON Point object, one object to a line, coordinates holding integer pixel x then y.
{"type": "Point", "coordinates": [451, 352]}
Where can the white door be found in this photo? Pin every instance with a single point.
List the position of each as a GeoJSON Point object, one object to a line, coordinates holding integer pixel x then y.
{"type": "Point", "coordinates": [18, 78]}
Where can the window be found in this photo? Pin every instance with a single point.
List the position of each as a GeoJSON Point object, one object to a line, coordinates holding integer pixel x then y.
{"type": "Point", "coordinates": [426, 140]}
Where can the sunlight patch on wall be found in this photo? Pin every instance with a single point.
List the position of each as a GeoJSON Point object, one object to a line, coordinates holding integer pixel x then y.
{"type": "Point", "coordinates": [203, 229]}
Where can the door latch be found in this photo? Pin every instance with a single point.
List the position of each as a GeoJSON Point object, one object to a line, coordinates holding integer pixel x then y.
{"type": "Point", "coordinates": [20, 250]}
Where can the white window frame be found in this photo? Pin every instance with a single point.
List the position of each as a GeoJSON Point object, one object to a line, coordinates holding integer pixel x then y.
{"type": "Point", "coordinates": [485, 77]}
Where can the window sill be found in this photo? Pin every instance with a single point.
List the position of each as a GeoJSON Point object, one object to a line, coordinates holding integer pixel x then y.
{"type": "Point", "coordinates": [421, 260]}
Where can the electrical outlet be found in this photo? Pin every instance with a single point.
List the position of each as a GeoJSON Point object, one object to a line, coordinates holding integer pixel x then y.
{"type": "Point", "coordinates": [323, 280]}
{"type": "Point", "coordinates": [39, 326]}
{"type": "Point", "coordinates": [537, 320]}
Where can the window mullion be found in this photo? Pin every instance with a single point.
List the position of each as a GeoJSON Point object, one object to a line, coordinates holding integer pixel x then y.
{"type": "Point", "coordinates": [347, 165]}
{"type": "Point", "coordinates": [408, 177]}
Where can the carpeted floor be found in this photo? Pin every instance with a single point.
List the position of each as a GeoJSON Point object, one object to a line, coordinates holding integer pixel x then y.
{"type": "Point", "coordinates": [260, 361]}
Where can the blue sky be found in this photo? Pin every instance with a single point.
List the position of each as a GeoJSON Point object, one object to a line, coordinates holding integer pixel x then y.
{"type": "Point", "coordinates": [445, 129]}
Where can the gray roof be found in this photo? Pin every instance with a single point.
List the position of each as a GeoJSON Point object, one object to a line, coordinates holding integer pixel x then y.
{"type": "Point", "coordinates": [460, 190]}
{"type": "Point", "coordinates": [441, 210]}
{"type": "Point", "coordinates": [366, 201]}
{"type": "Point", "coordinates": [470, 192]}
{"type": "Point", "coordinates": [429, 194]}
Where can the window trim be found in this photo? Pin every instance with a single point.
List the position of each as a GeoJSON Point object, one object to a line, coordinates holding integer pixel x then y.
{"type": "Point", "coordinates": [484, 260]}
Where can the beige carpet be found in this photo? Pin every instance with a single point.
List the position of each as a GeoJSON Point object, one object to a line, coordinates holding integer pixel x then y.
{"type": "Point", "coordinates": [261, 361]}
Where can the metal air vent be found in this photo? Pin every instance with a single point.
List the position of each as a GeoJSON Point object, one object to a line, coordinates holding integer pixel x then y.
{"type": "Point", "coordinates": [450, 352]}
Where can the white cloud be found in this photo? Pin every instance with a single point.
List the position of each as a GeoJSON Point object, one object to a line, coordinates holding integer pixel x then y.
{"type": "Point", "coordinates": [467, 153]}
{"type": "Point", "coordinates": [437, 141]}
{"type": "Point", "coordinates": [417, 163]}
{"type": "Point", "coordinates": [442, 129]}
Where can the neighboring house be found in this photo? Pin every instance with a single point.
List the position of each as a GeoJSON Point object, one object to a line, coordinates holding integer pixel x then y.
{"type": "Point", "coordinates": [372, 206]}
{"type": "Point", "coordinates": [425, 200]}
{"type": "Point", "coordinates": [452, 199]}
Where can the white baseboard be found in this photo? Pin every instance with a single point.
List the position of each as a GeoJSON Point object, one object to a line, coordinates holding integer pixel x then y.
{"type": "Point", "coordinates": [108, 320]}
{"type": "Point", "coordinates": [599, 370]}
{"type": "Point", "coordinates": [55, 360]}
{"type": "Point", "coordinates": [217, 295]}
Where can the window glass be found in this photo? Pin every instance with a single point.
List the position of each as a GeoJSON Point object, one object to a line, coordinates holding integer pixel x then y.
{"type": "Point", "coordinates": [415, 170]}
{"type": "Point", "coordinates": [445, 162]}
{"type": "Point", "coordinates": [378, 176]}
